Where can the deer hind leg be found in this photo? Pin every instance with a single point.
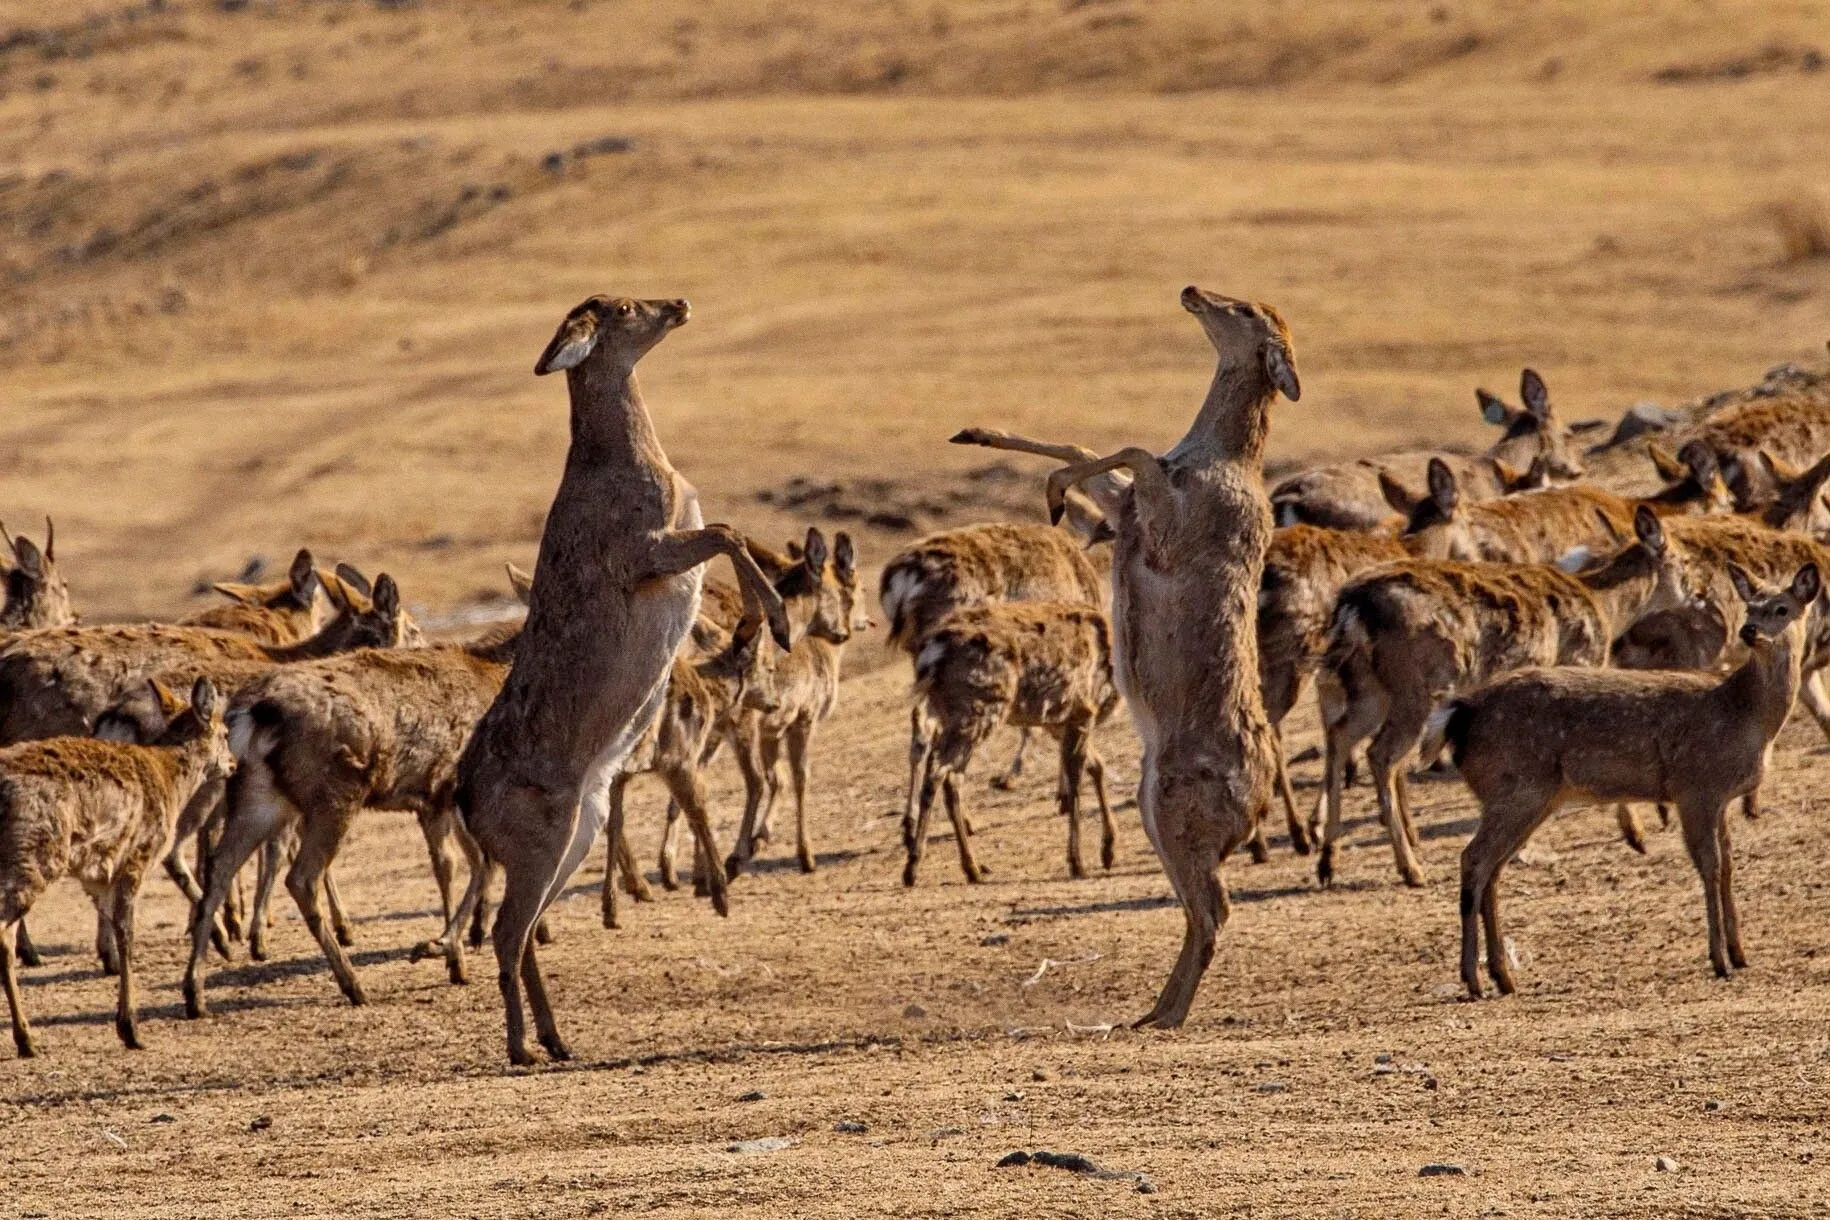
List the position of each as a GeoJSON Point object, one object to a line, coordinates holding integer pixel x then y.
{"type": "Point", "coordinates": [1811, 691]}
{"type": "Point", "coordinates": [1505, 826]}
{"type": "Point", "coordinates": [614, 847]}
{"type": "Point", "coordinates": [1703, 836]}
{"type": "Point", "coordinates": [339, 917]}
{"type": "Point", "coordinates": [1299, 833]}
{"type": "Point", "coordinates": [256, 810]}
{"type": "Point", "coordinates": [318, 844]}
{"type": "Point", "coordinates": [1192, 843]}
{"type": "Point", "coordinates": [1350, 720]}
{"type": "Point", "coordinates": [107, 951]}
{"type": "Point", "coordinates": [9, 981]}
{"type": "Point", "coordinates": [799, 737]}
{"type": "Point", "coordinates": [748, 748]}
{"type": "Point", "coordinates": [120, 900]}
{"type": "Point", "coordinates": [1073, 743]}
{"type": "Point", "coordinates": [1391, 746]}
{"type": "Point", "coordinates": [1007, 780]}
{"type": "Point", "coordinates": [689, 790]}
{"type": "Point", "coordinates": [27, 952]}
{"type": "Point", "coordinates": [1108, 829]}
{"type": "Point", "coordinates": [267, 872]}
{"type": "Point", "coordinates": [962, 832]}
{"type": "Point", "coordinates": [1731, 915]}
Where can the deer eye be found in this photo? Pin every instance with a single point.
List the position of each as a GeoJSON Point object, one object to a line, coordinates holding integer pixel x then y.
{"type": "Point", "coordinates": [625, 309]}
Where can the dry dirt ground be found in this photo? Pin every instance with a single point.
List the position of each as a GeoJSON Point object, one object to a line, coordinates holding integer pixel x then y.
{"type": "Point", "coordinates": [276, 273]}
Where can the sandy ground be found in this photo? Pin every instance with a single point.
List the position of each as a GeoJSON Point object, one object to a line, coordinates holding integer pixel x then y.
{"type": "Point", "coordinates": [278, 276]}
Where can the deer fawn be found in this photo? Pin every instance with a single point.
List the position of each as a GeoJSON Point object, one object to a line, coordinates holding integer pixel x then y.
{"type": "Point", "coordinates": [1044, 665]}
{"type": "Point", "coordinates": [1351, 495]}
{"type": "Point", "coordinates": [1407, 635]}
{"type": "Point", "coordinates": [615, 591]}
{"type": "Point", "coordinates": [280, 612]}
{"type": "Point", "coordinates": [1536, 739]}
{"type": "Point", "coordinates": [1192, 527]}
{"type": "Point", "coordinates": [102, 812]}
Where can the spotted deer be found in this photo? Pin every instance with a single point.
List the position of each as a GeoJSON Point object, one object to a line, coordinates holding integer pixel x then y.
{"type": "Point", "coordinates": [1350, 495]}
{"type": "Point", "coordinates": [1041, 665]}
{"type": "Point", "coordinates": [1191, 531]}
{"type": "Point", "coordinates": [806, 682]}
{"type": "Point", "coordinates": [615, 592]}
{"type": "Point", "coordinates": [1406, 636]}
{"type": "Point", "coordinates": [101, 812]}
{"type": "Point", "coordinates": [279, 612]}
{"type": "Point", "coordinates": [1537, 739]}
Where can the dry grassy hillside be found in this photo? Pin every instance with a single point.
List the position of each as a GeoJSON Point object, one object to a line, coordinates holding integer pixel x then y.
{"type": "Point", "coordinates": [276, 271]}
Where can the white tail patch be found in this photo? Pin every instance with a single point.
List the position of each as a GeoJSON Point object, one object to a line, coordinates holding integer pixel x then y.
{"type": "Point", "coordinates": [246, 739]}
{"type": "Point", "coordinates": [898, 591]}
{"type": "Point", "coordinates": [1433, 729]}
{"type": "Point", "coordinates": [1575, 559]}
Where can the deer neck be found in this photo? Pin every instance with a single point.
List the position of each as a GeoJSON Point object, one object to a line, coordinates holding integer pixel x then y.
{"type": "Point", "coordinates": [1233, 421]}
{"type": "Point", "coordinates": [1621, 592]}
{"type": "Point", "coordinates": [610, 426]}
{"type": "Point", "coordinates": [497, 645]}
{"type": "Point", "coordinates": [1767, 682]}
{"type": "Point", "coordinates": [336, 637]}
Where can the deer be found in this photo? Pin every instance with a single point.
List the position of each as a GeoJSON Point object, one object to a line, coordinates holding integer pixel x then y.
{"type": "Point", "coordinates": [1042, 665]}
{"type": "Point", "coordinates": [728, 676]}
{"type": "Point", "coordinates": [1798, 495]}
{"type": "Point", "coordinates": [1407, 635]}
{"type": "Point", "coordinates": [1793, 428]}
{"type": "Point", "coordinates": [279, 612]}
{"type": "Point", "coordinates": [1349, 495]}
{"type": "Point", "coordinates": [1191, 529]}
{"type": "Point", "coordinates": [101, 812]}
{"type": "Point", "coordinates": [36, 594]}
{"type": "Point", "coordinates": [1536, 739]}
{"type": "Point", "coordinates": [1537, 526]}
{"type": "Point", "coordinates": [616, 589]}
{"type": "Point", "coordinates": [806, 683]}
{"type": "Point", "coordinates": [976, 565]}
{"type": "Point", "coordinates": [318, 742]}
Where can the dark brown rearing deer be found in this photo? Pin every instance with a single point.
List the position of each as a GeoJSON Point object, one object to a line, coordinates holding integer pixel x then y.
{"type": "Point", "coordinates": [615, 591]}
{"type": "Point", "coordinates": [1192, 527]}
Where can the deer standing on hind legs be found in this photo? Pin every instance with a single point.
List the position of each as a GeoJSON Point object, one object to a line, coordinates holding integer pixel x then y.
{"type": "Point", "coordinates": [615, 591]}
{"type": "Point", "coordinates": [1192, 527]}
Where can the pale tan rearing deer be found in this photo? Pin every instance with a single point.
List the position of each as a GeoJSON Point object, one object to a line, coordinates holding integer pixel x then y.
{"type": "Point", "coordinates": [1043, 665]}
{"type": "Point", "coordinates": [1538, 738]}
{"type": "Point", "coordinates": [615, 591]}
{"type": "Point", "coordinates": [1192, 527]}
{"type": "Point", "coordinates": [103, 813]}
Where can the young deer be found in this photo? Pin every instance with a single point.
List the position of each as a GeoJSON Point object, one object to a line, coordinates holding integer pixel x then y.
{"type": "Point", "coordinates": [976, 565]}
{"type": "Point", "coordinates": [1536, 739]}
{"type": "Point", "coordinates": [280, 612]}
{"type": "Point", "coordinates": [1793, 428]}
{"type": "Point", "coordinates": [1304, 569]}
{"type": "Point", "coordinates": [1350, 495]}
{"type": "Point", "coordinates": [317, 743]}
{"type": "Point", "coordinates": [1192, 527]}
{"type": "Point", "coordinates": [1043, 665]}
{"type": "Point", "coordinates": [101, 812]}
{"type": "Point", "coordinates": [1798, 496]}
{"type": "Point", "coordinates": [1406, 636]}
{"type": "Point", "coordinates": [36, 595]}
{"type": "Point", "coordinates": [806, 684]}
{"type": "Point", "coordinates": [729, 676]}
{"type": "Point", "coordinates": [615, 591]}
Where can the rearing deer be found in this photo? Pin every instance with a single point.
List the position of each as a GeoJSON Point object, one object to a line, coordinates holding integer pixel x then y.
{"type": "Point", "coordinates": [615, 591]}
{"type": "Point", "coordinates": [1192, 527]}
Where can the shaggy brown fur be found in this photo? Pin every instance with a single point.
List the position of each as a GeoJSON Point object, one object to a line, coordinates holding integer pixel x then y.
{"type": "Point", "coordinates": [1352, 495]}
{"type": "Point", "coordinates": [1794, 429]}
{"type": "Point", "coordinates": [1406, 636]}
{"type": "Point", "coordinates": [280, 612]}
{"type": "Point", "coordinates": [1534, 740]}
{"type": "Point", "coordinates": [101, 812]}
{"type": "Point", "coordinates": [36, 595]}
{"type": "Point", "coordinates": [1304, 570]}
{"type": "Point", "coordinates": [1191, 531]}
{"type": "Point", "coordinates": [615, 592]}
{"type": "Point", "coordinates": [1044, 665]}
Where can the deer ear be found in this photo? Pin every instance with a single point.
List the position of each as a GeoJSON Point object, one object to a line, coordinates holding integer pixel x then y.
{"type": "Point", "coordinates": [387, 596]}
{"type": "Point", "coordinates": [813, 554]}
{"type": "Point", "coordinates": [31, 561]}
{"type": "Point", "coordinates": [50, 541]}
{"type": "Point", "coordinates": [1669, 468]}
{"type": "Point", "coordinates": [1648, 529]}
{"type": "Point", "coordinates": [1442, 486]}
{"type": "Point", "coordinates": [303, 576]}
{"type": "Point", "coordinates": [1280, 367]}
{"type": "Point", "coordinates": [1744, 588]}
{"type": "Point", "coordinates": [203, 699]}
{"type": "Point", "coordinates": [572, 342]}
{"type": "Point", "coordinates": [1397, 495]}
{"type": "Point", "coordinates": [169, 704]}
{"type": "Point", "coordinates": [521, 582]}
{"type": "Point", "coordinates": [1807, 584]}
{"type": "Point", "coordinates": [1699, 460]}
{"type": "Point", "coordinates": [1493, 410]}
{"type": "Point", "coordinates": [1535, 394]}
{"type": "Point", "coordinates": [352, 576]}
{"type": "Point", "coordinates": [844, 558]}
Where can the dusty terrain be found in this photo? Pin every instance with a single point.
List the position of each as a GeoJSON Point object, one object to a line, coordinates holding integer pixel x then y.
{"type": "Point", "coordinates": [277, 272]}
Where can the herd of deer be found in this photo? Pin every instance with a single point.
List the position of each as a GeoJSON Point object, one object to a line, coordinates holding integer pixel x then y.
{"type": "Point", "coordinates": [1563, 642]}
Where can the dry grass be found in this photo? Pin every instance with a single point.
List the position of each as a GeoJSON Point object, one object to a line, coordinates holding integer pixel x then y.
{"type": "Point", "coordinates": [1803, 225]}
